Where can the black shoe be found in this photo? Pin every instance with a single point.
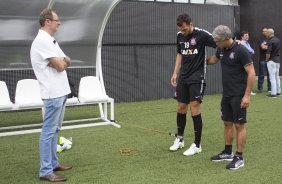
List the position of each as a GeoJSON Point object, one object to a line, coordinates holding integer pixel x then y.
{"type": "Point", "coordinates": [278, 94]}
{"type": "Point", "coordinates": [236, 163]}
{"type": "Point", "coordinates": [272, 96]}
{"type": "Point", "coordinates": [222, 156]}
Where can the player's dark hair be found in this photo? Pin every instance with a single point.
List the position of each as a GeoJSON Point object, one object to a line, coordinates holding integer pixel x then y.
{"type": "Point", "coordinates": [183, 18]}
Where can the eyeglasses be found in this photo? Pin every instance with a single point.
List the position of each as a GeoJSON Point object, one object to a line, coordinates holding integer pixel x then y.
{"type": "Point", "coordinates": [56, 20]}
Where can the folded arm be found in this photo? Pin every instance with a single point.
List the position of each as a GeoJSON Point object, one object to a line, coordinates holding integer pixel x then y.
{"type": "Point", "coordinates": [59, 63]}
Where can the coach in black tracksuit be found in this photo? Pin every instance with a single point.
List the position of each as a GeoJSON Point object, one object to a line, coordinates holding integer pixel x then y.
{"type": "Point", "coordinates": [238, 77]}
{"type": "Point", "coordinates": [189, 79]}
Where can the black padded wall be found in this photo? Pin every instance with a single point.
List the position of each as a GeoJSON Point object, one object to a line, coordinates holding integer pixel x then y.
{"type": "Point", "coordinates": [139, 47]}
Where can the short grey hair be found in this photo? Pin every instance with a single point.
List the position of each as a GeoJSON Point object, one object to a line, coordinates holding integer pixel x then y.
{"type": "Point", "coordinates": [222, 32]}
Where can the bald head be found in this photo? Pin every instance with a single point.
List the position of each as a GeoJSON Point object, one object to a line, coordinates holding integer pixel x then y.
{"type": "Point", "coordinates": [270, 33]}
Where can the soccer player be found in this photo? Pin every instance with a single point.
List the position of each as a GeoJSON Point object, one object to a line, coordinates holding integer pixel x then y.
{"type": "Point", "coordinates": [189, 79]}
{"type": "Point", "coordinates": [238, 75]}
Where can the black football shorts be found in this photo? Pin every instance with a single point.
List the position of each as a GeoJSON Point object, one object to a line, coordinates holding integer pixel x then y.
{"type": "Point", "coordinates": [231, 110]}
{"type": "Point", "coordinates": [186, 93]}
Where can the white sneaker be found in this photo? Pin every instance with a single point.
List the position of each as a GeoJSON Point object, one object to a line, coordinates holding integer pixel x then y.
{"type": "Point", "coordinates": [176, 145]}
{"type": "Point", "coordinates": [193, 150]}
{"type": "Point", "coordinates": [252, 93]}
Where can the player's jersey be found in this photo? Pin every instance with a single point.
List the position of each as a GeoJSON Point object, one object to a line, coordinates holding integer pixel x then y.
{"type": "Point", "coordinates": [192, 49]}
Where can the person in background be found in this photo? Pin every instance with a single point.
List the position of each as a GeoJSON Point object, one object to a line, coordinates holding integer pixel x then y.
{"type": "Point", "coordinates": [238, 75]}
{"type": "Point", "coordinates": [262, 42]}
{"type": "Point", "coordinates": [273, 63]}
{"type": "Point", "coordinates": [189, 79]}
{"type": "Point", "coordinates": [245, 42]}
{"type": "Point", "coordinates": [49, 64]}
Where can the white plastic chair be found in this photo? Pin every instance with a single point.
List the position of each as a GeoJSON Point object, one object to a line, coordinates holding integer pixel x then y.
{"type": "Point", "coordinates": [28, 94]}
{"type": "Point", "coordinates": [72, 101]}
{"type": "Point", "coordinates": [91, 91]}
{"type": "Point", "coordinates": [5, 102]}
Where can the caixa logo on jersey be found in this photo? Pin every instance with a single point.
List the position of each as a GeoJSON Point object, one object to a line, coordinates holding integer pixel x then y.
{"type": "Point", "coordinates": [189, 52]}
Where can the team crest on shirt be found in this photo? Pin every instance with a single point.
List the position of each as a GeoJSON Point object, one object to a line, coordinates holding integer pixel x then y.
{"type": "Point", "coordinates": [231, 56]}
{"type": "Point", "coordinates": [193, 41]}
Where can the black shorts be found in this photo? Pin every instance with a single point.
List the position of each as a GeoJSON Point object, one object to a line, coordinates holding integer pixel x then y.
{"type": "Point", "coordinates": [231, 110]}
{"type": "Point", "coordinates": [186, 93]}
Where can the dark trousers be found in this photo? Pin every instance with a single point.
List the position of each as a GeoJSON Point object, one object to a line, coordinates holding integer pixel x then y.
{"type": "Point", "coordinates": [262, 71]}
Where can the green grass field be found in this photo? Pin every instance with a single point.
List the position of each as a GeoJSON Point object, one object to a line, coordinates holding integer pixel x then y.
{"type": "Point", "coordinates": [96, 157]}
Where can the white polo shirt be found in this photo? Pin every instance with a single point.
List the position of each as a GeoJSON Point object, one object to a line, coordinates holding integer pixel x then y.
{"type": "Point", "coordinates": [53, 84]}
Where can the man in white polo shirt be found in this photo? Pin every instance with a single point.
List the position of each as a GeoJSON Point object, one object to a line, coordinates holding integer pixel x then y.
{"type": "Point", "coordinates": [49, 63]}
